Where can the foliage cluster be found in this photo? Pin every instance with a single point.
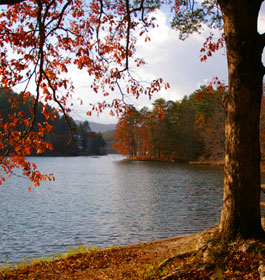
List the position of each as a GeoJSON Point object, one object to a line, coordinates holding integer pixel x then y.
{"type": "Point", "coordinates": [41, 39]}
{"type": "Point", "coordinates": [84, 141]}
{"type": "Point", "coordinates": [188, 130]}
{"type": "Point", "coordinates": [191, 129]}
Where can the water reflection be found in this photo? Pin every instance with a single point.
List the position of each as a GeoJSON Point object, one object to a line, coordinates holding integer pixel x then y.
{"type": "Point", "coordinates": [104, 201]}
{"type": "Point", "coordinates": [167, 198]}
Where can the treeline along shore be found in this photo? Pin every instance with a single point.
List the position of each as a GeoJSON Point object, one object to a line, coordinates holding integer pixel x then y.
{"type": "Point", "coordinates": [189, 130]}
{"type": "Point", "coordinates": [84, 140]}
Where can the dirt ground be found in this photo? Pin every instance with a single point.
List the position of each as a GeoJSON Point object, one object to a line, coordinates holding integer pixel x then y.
{"type": "Point", "coordinates": [130, 262]}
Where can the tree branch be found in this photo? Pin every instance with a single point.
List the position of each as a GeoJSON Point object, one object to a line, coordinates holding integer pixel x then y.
{"type": "Point", "coordinates": [61, 107]}
{"type": "Point", "coordinates": [59, 17]}
{"type": "Point", "coordinates": [128, 33]}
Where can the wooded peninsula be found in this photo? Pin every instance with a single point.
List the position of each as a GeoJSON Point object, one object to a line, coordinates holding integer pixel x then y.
{"type": "Point", "coordinates": [190, 130]}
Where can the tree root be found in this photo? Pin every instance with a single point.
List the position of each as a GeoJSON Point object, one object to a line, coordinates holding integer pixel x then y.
{"type": "Point", "coordinates": [180, 256]}
{"type": "Point", "coordinates": [183, 255]}
{"type": "Point", "coordinates": [204, 244]}
{"type": "Point", "coordinates": [171, 275]}
{"type": "Point", "coordinates": [205, 254]}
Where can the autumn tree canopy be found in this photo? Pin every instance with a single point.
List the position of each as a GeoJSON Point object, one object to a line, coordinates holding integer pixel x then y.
{"type": "Point", "coordinates": [190, 129]}
{"type": "Point", "coordinates": [40, 39]}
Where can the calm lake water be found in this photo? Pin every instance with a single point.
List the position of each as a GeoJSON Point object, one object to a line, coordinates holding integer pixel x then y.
{"type": "Point", "coordinates": [105, 201]}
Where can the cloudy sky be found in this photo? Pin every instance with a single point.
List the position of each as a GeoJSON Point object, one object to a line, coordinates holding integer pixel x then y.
{"type": "Point", "coordinates": [177, 62]}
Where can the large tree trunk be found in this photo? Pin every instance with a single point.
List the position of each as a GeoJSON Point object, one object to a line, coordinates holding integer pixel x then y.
{"type": "Point", "coordinates": [241, 202]}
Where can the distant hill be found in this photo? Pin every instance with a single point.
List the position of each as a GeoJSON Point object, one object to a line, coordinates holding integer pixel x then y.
{"type": "Point", "coordinates": [99, 127]}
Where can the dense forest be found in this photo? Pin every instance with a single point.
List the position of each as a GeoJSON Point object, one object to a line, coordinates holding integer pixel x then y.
{"type": "Point", "coordinates": [84, 141]}
{"type": "Point", "coordinates": [190, 130]}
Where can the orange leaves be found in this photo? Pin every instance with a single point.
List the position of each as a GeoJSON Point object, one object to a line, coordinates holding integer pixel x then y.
{"type": "Point", "coordinates": [147, 39]}
{"type": "Point", "coordinates": [43, 129]}
{"type": "Point", "coordinates": [167, 86]}
{"type": "Point", "coordinates": [200, 121]}
{"type": "Point", "coordinates": [83, 61]}
{"type": "Point", "coordinates": [215, 86]}
{"type": "Point", "coordinates": [115, 108]}
{"type": "Point", "coordinates": [25, 96]}
{"type": "Point", "coordinates": [19, 138]}
{"type": "Point", "coordinates": [209, 47]}
{"type": "Point", "coordinates": [46, 37]}
{"type": "Point", "coordinates": [142, 32]}
{"type": "Point", "coordinates": [160, 113]}
{"type": "Point", "coordinates": [63, 68]}
{"type": "Point", "coordinates": [29, 170]}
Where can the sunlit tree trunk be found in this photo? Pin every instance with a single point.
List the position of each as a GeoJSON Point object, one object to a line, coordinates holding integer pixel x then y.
{"type": "Point", "coordinates": [241, 202]}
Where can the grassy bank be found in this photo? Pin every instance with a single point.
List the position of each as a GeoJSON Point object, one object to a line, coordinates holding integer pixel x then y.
{"type": "Point", "coordinates": [144, 261]}
{"type": "Point", "coordinates": [138, 261]}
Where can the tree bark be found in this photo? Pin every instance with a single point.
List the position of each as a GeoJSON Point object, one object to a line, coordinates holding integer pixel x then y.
{"type": "Point", "coordinates": [241, 201]}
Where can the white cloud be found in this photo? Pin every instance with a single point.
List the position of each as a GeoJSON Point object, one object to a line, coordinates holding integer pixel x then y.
{"type": "Point", "coordinates": [178, 62]}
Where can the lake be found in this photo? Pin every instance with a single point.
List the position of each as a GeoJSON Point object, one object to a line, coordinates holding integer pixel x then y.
{"type": "Point", "coordinates": [103, 201]}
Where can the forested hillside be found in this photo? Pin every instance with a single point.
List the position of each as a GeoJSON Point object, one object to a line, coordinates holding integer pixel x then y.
{"type": "Point", "coordinates": [108, 137]}
{"type": "Point", "coordinates": [84, 141]}
{"type": "Point", "coordinates": [190, 130]}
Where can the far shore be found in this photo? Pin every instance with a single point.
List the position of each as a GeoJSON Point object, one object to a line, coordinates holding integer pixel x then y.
{"type": "Point", "coordinates": [219, 162]}
{"type": "Point", "coordinates": [174, 159]}
{"type": "Point", "coordinates": [208, 162]}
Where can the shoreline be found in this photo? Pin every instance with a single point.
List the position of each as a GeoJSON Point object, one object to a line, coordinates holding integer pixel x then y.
{"type": "Point", "coordinates": [175, 159]}
{"type": "Point", "coordinates": [153, 158]}
{"type": "Point", "coordinates": [208, 162]}
{"type": "Point", "coordinates": [111, 263]}
{"type": "Point", "coordinates": [178, 256]}
{"type": "Point", "coordinates": [147, 260]}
